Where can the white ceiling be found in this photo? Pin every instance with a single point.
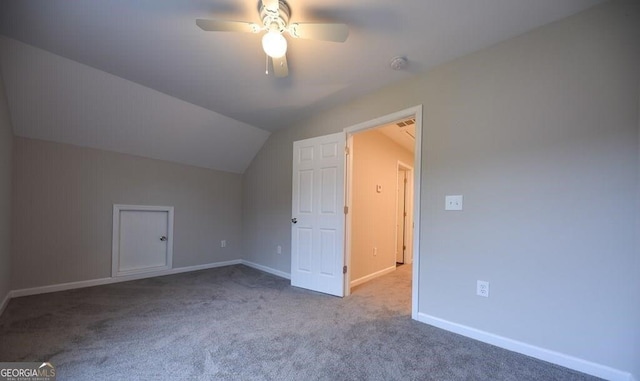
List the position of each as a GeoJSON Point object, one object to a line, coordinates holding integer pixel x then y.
{"type": "Point", "coordinates": [139, 77]}
{"type": "Point", "coordinates": [156, 44]}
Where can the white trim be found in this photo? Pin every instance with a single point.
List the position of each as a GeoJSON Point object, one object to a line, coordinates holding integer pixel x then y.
{"type": "Point", "coordinates": [103, 281]}
{"type": "Point", "coordinates": [115, 246]}
{"type": "Point", "coordinates": [348, 199]}
{"type": "Point", "coordinates": [5, 302]}
{"type": "Point", "coordinates": [367, 278]}
{"type": "Point", "coordinates": [416, 112]}
{"type": "Point", "coordinates": [553, 357]}
{"type": "Point", "coordinates": [385, 119]}
{"type": "Point", "coordinates": [417, 197]}
{"type": "Point", "coordinates": [266, 269]}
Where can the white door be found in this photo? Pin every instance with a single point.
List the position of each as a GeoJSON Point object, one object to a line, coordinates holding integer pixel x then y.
{"type": "Point", "coordinates": [142, 239]}
{"type": "Point", "coordinates": [317, 230]}
{"type": "Point", "coordinates": [401, 215]}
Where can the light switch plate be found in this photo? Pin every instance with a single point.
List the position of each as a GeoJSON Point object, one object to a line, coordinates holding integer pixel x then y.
{"type": "Point", "coordinates": [453, 202]}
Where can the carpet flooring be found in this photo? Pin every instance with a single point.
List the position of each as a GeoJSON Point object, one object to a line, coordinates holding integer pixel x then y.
{"type": "Point", "coordinates": [237, 323]}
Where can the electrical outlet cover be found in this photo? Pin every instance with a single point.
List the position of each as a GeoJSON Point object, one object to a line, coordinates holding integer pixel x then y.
{"type": "Point", "coordinates": [453, 202]}
{"type": "Point", "coordinates": [482, 288]}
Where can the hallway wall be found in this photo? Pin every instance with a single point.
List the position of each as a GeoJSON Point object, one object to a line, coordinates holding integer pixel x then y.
{"type": "Point", "coordinates": [375, 162]}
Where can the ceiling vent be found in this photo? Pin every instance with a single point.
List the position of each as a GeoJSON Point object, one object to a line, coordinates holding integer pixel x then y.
{"type": "Point", "coordinates": [407, 122]}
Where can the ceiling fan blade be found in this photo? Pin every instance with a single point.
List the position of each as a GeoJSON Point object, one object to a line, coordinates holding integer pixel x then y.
{"type": "Point", "coordinates": [280, 67]}
{"type": "Point", "coordinates": [324, 32]}
{"type": "Point", "coordinates": [227, 26]}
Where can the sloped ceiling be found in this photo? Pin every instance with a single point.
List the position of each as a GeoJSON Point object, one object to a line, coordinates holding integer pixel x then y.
{"type": "Point", "coordinates": [140, 77]}
{"type": "Point", "coordinates": [56, 99]}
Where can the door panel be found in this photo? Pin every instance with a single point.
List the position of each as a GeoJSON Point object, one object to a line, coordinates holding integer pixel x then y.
{"type": "Point", "coordinates": [317, 247]}
{"type": "Point", "coordinates": [303, 248]}
{"type": "Point", "coordinates": [305, 203]}
{"type": "Point", "coordinates": [327, 252]}
{"type": "Point", "coordinates": [142, 239]}
{"type": "Point", "coordinates": [328, 191]}
{"type": "Point", "coordinates": [140, 244]}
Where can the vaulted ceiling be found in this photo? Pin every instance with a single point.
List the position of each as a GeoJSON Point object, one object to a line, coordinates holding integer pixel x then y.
{"type": "Point", "coordinates": [140, 77]}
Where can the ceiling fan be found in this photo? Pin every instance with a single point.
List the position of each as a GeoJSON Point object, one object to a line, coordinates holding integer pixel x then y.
{"type": "Point", "coordinates": [275, 21]}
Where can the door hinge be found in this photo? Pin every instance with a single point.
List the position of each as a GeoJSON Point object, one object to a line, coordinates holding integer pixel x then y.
{"type": "Point", "coordinates": [346, 150]}
{"type": "Point", "coordinates": [405, 214]}
{"type": "Point", "coordinates": [344, 269]}
{"type": "Point", "coordinates": [346, 210]}
{"type": "Point", "coordinates": [405, 180]}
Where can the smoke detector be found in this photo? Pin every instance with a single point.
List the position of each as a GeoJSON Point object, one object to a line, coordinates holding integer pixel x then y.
{"type": "Point", "coordinates": [398, 63]}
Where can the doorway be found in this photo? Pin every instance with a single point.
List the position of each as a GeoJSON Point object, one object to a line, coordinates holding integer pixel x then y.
{"type": "Point", "coordinates": [381, 164]}
{"type": "Point", "coordinates": [412, 197]}
{"type": "Point", "coordinates": [321, 247]}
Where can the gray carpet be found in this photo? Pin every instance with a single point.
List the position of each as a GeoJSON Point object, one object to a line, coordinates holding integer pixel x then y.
{"type": "Point", "coordinates": [236, 323]}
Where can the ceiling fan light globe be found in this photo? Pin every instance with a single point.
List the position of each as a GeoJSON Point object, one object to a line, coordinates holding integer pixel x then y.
{"type": "Point", "coordinates": [274, 44]}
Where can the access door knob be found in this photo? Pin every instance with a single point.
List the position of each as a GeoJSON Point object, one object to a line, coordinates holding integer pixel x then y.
{"type": "Point", "coordinates": [294, 220]}
{"type": "Point", "coordinates": [163, 238]}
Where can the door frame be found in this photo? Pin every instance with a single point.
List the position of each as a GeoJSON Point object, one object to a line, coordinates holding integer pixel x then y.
{"type": "Point", "coordinates": [415, 112]}
{"type": "Point", "coordinates": [115, 246]}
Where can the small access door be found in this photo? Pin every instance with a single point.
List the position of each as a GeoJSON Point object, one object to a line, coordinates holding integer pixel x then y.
{"type": "Point", "coordinates": [142, 239]}
{"type": "Point", "coordinates": [317, 223]}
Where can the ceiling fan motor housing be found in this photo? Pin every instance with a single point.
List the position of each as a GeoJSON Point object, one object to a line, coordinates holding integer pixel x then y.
{"type": "Point", "coordinates": [279, 17]}
{"type": "Point", "coordinates": [275, 15]}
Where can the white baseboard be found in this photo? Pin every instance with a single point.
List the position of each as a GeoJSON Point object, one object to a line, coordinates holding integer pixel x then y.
{"type": "Point", "coordinates": [367, 278]}
{"type": "Point", "coordinates": [5, 302]}
{"type": "Point", "coordinates": [557, 358]}
{"type": "Point", "coordinates": [266, 269]}
{"type": "Point", "coordinates": [103, 281]}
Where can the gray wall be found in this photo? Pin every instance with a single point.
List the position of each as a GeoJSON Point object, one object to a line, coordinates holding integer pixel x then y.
{"type": "Point", "coordinates": [6, 144]}
{"type": "Point", "coordinates": [64, 198]}
{"type": "Point", "coordinates": [540, 135]}
{"type": "Point", "coordinates": [636, 339]}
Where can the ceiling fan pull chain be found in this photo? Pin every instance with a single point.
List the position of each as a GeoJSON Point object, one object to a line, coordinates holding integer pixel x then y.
{"type": "Point", "coordinates": [267, 64]}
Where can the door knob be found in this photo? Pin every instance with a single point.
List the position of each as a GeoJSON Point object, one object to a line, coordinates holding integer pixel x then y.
{"type": "Point", "coordinates": [294, 220]}
{"type": "Point", "coordinates": [163, 238]}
